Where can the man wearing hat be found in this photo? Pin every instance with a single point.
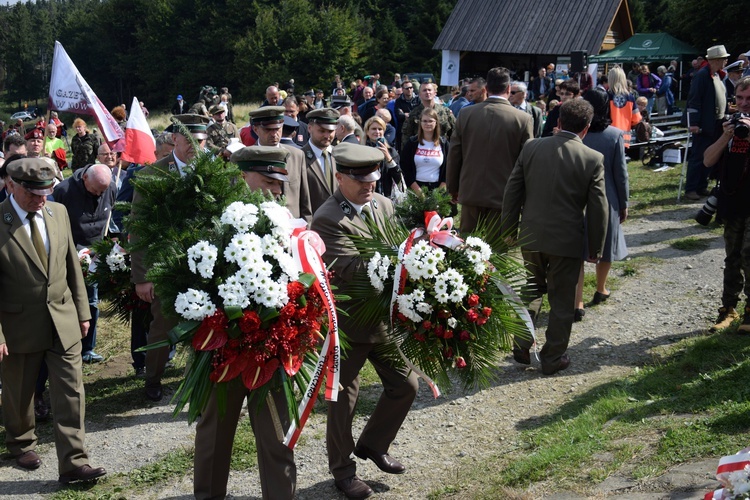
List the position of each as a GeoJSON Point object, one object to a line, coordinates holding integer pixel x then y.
{"type": "Point", "coordinates": [180, 107]}
{"type": "Point", "coordinates": [321, 166]}
{"type": "Point", "coordinates": [176, 161]}
{"type": "Point", "coordinates": [43, 316]}
{"type": "Point", "coordinates": [220, 131]}
{"type": "Point", "coordinates": [706, 104]}
{"type": "Point", "coordinates": [733, 75]}
{"type": "Point", "coordinates": [35, 142]}
{"type": "Point", "coordinates": [263, 168]}
{"type": "Point", "coordinates": [342, 217]}
{"type": "Point", "coordinates": [267, 123]}
{"type": "Point", "coordinates": [289, 133]}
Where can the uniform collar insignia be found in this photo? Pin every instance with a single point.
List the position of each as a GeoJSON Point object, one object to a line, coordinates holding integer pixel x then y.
{"type": "Point", "coordinates": [8, 217]}
{"type": "Point", "coordinates": [49, 211]}
{"type": "Point", "coordinates": [374, 203]}
{"type": "Point", "coordinates": [345, 207]}
{"type": "Point", "coordinates": [172, 166]}
{"type": "Point", "coordinates": [309, 155]}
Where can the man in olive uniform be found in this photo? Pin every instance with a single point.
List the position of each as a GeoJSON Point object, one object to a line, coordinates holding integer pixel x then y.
{"type": "Point", "coordinates": [339, 219]}
{"type": "Point", "coordinates": [263, 168]}
{"type": "Point", "coordinates": [176, 161]}
{"type": "Point", "coordinates": [267, 123]}
{"type": "Point", "coordinates": [221, 131]}
{"type": "Point", "coordinates": [44, 315]}
{"type": "Point", "coordinates": [321, 166]}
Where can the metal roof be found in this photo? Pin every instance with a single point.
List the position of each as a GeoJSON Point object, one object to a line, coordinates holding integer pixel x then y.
{"type": "Point", "coordinates": [527, 27]}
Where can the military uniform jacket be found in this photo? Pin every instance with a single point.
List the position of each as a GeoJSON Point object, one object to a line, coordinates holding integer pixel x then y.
{"type": "Point", "coordinates": [555, 179]}
{"type": "Point", "coordinates": [336, 221]}
{"type": "Point", "coordinates": [484, 147]}
{"type": "Point", "coordinates": [411, 126]}
{"type": "Point", "coordinates": [316, 181]}
{"type": "Point", "coordinates": [36, 305]}
{"type": "Point", "coordinates": [296, 191]}
{"type": "Point", "coordinates": [219, 134]}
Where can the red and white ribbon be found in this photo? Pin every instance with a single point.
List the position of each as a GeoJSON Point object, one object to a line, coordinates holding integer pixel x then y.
{"type": "Point", "coordinates": [307, 248]}
{"type": "Point", "coordinates": [440, 231]}
{"type": "Point", "coordinates": [733, 463]}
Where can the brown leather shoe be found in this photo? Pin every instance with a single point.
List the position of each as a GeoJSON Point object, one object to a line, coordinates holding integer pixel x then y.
{"type": "Point", "coordinates": [28, 460]}
{"type": "Point", "coordinates": [354, 487]}
{"type": "Point", "coordinates": [384, 461]}
{"type": "Point", "coordinates": [562, 365]}
{"type": "Point", "coordinates": [154, 392]}
{"type": "Point", "coordinates": [82, 473]}
{"type": "Point", "coordinates": [522, 356]}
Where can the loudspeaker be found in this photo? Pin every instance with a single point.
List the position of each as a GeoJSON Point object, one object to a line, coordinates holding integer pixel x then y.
{"type": "Point", "coordinates": [578, 61]}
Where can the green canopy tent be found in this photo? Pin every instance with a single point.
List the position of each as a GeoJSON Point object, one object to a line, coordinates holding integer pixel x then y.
{"type": "Point", "coordinates": [647, 47]}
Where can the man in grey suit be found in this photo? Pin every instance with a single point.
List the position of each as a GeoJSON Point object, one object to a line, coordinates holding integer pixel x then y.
{"type": "Point", "coordinates": [267, 123]}
{"type": "Point", "coordinates": [44, 313]}
{"type": "Point", "coordinates": [485, 144]}
{"type": "Point", "coordinates": [554, 181]}
{"type": "Point", "coordinates": [321, 166]}
{"type": "Point", "coordinates": [341, 217]}
{"type": "Point", "coordinates": [518, 93]}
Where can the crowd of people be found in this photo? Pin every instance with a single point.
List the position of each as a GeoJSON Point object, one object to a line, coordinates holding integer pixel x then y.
{"type": "Point", "coordinates": [539, 163]}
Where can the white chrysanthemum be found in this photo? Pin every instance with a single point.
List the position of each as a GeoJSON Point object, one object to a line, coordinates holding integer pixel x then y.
{"type": "Point", "coordinates": [485, 251]}
{"type": "Point", "coordinates": [422, 261]}
{"type": "Point", "coordinates": [201, 258]}
{"type": "Point", "coordinates": [116, 261]}
{"type": "Point", "coordinates": [271, 294]}
{"type": "Point", "coordinates": [244, 249]}
{"type": "Point", "coordinates": [288, 266]}
{"type": "Point", "coordinates": [194, 305]}
{"type": "Point", "coordinates": [241, 216]}
{"type": "Point", "coordinates": [280, 218]}
{"type": "Point", "coordinates": [377, 270]}
{"type": "Point", "coordinates": [233, 292]}
{"type": "Point", "coordinates": [406, 307]}
{"type": "Point", "coordinates": [450, 287]}
{"type": "Point", "coordinates": [271, 246]}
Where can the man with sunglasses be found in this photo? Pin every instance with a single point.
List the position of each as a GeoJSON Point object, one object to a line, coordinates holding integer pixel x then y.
{"type": "Point", "coordinates": [403, 106]}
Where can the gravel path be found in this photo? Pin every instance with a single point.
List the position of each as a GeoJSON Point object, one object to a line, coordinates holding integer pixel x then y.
{"type": "Point", "coordinates": [669, 299]}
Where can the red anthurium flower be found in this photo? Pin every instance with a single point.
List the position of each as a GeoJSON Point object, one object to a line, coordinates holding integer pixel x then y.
{"type": "Point", "coordinates": [229, 369]}
{"type": "Point", "coordinates": [212, 333]}
{"type": "Point", "coordinates": [257, 374]}
{"type": "Point", "coordinates": [292, 364]}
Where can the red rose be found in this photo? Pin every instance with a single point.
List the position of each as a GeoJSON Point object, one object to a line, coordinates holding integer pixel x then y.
{"type": "Point", "coordinates": [487, 311]}
{"type": "Point", "coordinates": [460, 362]}
{"type": "Point", "coordinates": [419, 336]}
{"type": "Point", "coordinates": [448, 334]}
{"type": "Point", "coordinates": [481, 320]}
{"type": "Point", "coordinates": [464, 336]}
{"type": "Point", "coordinates": [439, 331]}
{"type": "Point", "coordinates": [473, 300]}
{"type": "Point", "coordinates": [427, 324]}
{"type": "Point", "coordinates": [472, 315]}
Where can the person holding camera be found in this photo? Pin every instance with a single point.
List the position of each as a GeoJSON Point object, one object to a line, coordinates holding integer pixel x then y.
{"type": "Point", "coordinates": [731, 153]}
{"type": "Point", "coordinates": [390, 171]}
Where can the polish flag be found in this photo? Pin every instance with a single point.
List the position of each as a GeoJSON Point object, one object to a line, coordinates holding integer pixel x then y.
{"type": "Point", "coordinates": [140, 145]}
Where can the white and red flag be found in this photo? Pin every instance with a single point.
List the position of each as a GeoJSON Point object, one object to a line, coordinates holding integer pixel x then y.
{"type": "Point", "coordinates": [140, 145]}
{"type": "Point", "coordinates": [69, 92]}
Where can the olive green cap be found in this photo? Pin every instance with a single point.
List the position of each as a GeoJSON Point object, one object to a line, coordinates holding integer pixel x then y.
{"type": "Point", "coordinates": [35, 174]}
{"type": "Point", "coordinates": [268, 116]}
{"type": "Point", "coordinates": [216, 109]}
{"type": "Point", "coordinates": [196, 124]}
{"type": "Point", "coordinates": [325, 117]}
{"type": "Point", "coordinates": [266, 160]}
{"type": "Point", "coordinates": [359, 162]}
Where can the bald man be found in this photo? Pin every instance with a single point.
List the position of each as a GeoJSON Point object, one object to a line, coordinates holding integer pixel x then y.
{"type": "Point", "coordinates": [88, 195]}
{"type": "Point", "coordinates": [273, 96]}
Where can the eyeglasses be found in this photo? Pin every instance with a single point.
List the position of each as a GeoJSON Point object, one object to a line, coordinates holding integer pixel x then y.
{"type": "Point", "coordinates": [514, 92]}
{"type": "Point", "coordinates": [407, 88]}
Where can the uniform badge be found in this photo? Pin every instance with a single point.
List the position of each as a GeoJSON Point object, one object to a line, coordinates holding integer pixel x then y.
{"type": "Point", "coordinates": [172, 166]}
{"type": "Point", "coordinates": [345, 207]}
{"type": "Point", "coordinates": [309, 155]}
{"type": "Point", "coordinates": [8, 217]}
{"type": "Point", "coordinates": [49, 211]}
{"type": "Point", "coordinates": [374, 203]}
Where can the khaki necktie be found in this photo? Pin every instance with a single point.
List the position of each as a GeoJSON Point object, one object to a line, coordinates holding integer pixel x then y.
{"type": "Point", "coordinates": [366, 213]}
{"type": "Point", "coordinates": [328, 168]}
{"type": "Point", "coordinates": [36, 239]}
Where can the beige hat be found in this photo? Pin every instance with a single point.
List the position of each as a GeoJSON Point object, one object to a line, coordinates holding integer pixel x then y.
{"type": "Point", "coordinates": [717, 52]}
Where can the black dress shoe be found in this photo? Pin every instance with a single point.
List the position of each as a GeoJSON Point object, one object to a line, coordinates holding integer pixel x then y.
{"type": "Point", "coordinates": [578, 315]}
{"type": "Point", "coordinates": [354, 487]}
{"type": "Point", "coordinates": [522, 356]}
{"type": "Point", "coordinates": [599, 298]}
{"type": "Point", "coordinates": [41, 410]}
{"type": "Point", "coordinates": [384, 461]}
{"type": "Point", "coordinates": [562, 365]}
{"type": "Point", "coordinates": [154, 392]}
{"type": "Point", "coordinates": [28, 460]}
{"type": "Point", "coordinates": [82, 473]}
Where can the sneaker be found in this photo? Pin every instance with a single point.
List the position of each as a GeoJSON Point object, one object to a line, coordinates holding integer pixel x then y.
{"type": "Point", "coordinates": [91, 357]}
{"type": "Point", "coordinates": [726, 316]}
{"type": "Point", "coordinates": [745, 326]}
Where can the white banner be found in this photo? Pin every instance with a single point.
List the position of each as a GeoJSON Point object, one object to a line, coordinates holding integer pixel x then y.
{"type": "Point", "coordinates": [68, 91]}
{"type": "Point", "coordinates": [451, 61]}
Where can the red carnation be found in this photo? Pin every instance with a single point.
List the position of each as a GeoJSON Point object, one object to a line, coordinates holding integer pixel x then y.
{"type": "Point", "coordinates": [481, 320]}
{"type": "Point", "coordinates": [464, 336]}
{"type": "Point", "coordinates": [427, 324]}
{"type": "Point", "coordinates": [439, 331]}
{"type": "Point", "coordinates": [419, 336]}
{"type": "Point", "coordinates": [472, 315]}
{"type": "Point", "coordinates": [473, 300]}
{"type": "Point", "coordinates": [295, 290]}
{"type": "Point", "coordinates": [249, 322]}
{"type": "Point", "coordinates": [448, 334]}
{"type": "Point", "coordinates": [460, 362]}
